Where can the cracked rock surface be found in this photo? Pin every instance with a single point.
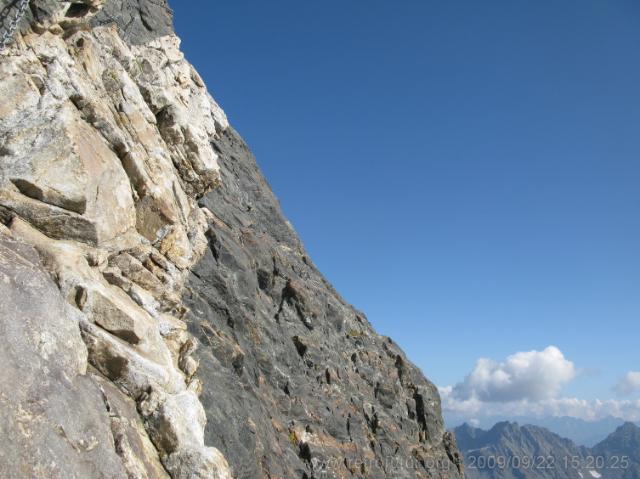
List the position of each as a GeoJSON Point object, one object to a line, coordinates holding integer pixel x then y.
{"type": "Point", "coordinates": [105, 146]}
{"type": "Point", "coordinates": [303, 386]}
{"type": "Point", "coordinates": [160, 315]}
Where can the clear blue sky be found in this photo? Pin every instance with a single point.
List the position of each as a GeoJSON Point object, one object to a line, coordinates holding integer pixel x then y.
{"type": "Point", "coordinates": [467, 173]}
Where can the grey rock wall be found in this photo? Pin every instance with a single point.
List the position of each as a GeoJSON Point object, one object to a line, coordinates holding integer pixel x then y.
{"type": "Point", "coordinates": [304, 385]}
{"type": "Point", "coordinates": [56, 419]}
{"type": "Point", "coordinates": [163, 317]}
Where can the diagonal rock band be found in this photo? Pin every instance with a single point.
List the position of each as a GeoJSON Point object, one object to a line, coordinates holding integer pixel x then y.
{"type": "Point", "coordinates": [164, 317]}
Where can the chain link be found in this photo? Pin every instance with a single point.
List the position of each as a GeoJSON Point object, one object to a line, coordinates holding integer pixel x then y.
{"type": "Point", "coordinates": [7, 35]}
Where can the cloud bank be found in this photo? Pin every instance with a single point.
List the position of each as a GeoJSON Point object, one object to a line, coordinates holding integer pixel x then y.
{"type": "Point", "coordinates": [589, 410]}
{"type": "Point", "coordinates": [529, 384]}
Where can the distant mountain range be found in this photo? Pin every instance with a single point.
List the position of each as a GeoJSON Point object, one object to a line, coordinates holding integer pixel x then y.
{"type": "Point", "coordinates": [583, 433]}
{"type": "Point", "coordinates": [511, 451]}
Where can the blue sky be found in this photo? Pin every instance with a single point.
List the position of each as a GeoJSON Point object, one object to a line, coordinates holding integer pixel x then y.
{"type": "Point", "coordinates": [466, 173]}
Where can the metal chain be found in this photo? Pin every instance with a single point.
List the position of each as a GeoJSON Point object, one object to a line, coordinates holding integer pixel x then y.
{"type": "Point", "coordinates": [7, 35]}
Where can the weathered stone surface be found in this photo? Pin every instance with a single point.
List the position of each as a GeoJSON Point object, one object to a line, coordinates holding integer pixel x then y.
{"type": "Point", "coordinates": [198, 464]}
{"type": "Point", "coordinates": [138, 454]}
{"type": "Point", "coordinates": [303, 385]}
{"type": "Point", "coordinates": [139, 21]}
{"type": "Point", "coordinates": [104, 148]}
{"type": "Point", "coordinates": [59, 160]}
{"type": "Point", "coordinates": [110, 146]}
{"type": "Point", "coordinates": [176, 426]}
{"type": "Point", "coordinates": [133, 370]}
{"type": "Point", "coordinates": [51, 220]}
{"type": "Point", "coordinates": [42, 375]}
{"type": "Point", "coordinates": [115, 314]}
{"type": "Point", "coordinates": [95, 125]}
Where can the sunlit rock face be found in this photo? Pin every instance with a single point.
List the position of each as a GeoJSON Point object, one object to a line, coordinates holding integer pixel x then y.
{"type": "Point", "coordinates": [162, 318]}
{"type": "Point", "coordinates": [105, 148]}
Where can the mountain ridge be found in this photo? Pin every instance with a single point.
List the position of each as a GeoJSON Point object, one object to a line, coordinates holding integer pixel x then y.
{"type": "Point", "coordinates": [539, 453]}
{"type": "Point", "coordinates": [582, 432]}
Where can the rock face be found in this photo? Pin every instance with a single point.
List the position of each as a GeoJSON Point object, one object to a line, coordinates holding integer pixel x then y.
{"type": "Point", "coordinates": [304, 386]}
{"type": "Point", "coordinates": [105, 147]}
{"type": "Point", "coordinates": [44, 371]}
{"type": "Point", "coordinates": [162, 318]}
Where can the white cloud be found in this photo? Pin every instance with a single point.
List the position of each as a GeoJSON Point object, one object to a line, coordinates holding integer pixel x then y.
{"type": "Point", "coordinates": [589, 410]}
{"type": "Point", "coordinates": [531, 376]}
{"type": "Point", "coordinates": [529, 384]}
{"type": "Point", "coordinates": [628, 384]}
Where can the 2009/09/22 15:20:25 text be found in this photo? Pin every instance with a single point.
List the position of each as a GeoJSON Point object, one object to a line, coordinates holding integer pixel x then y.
{"type": "Point", "coordinates": [548, 462]}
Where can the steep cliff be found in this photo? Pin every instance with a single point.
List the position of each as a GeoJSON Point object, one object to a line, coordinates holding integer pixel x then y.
{"type": "Point", "coordinates": [161, 315]}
